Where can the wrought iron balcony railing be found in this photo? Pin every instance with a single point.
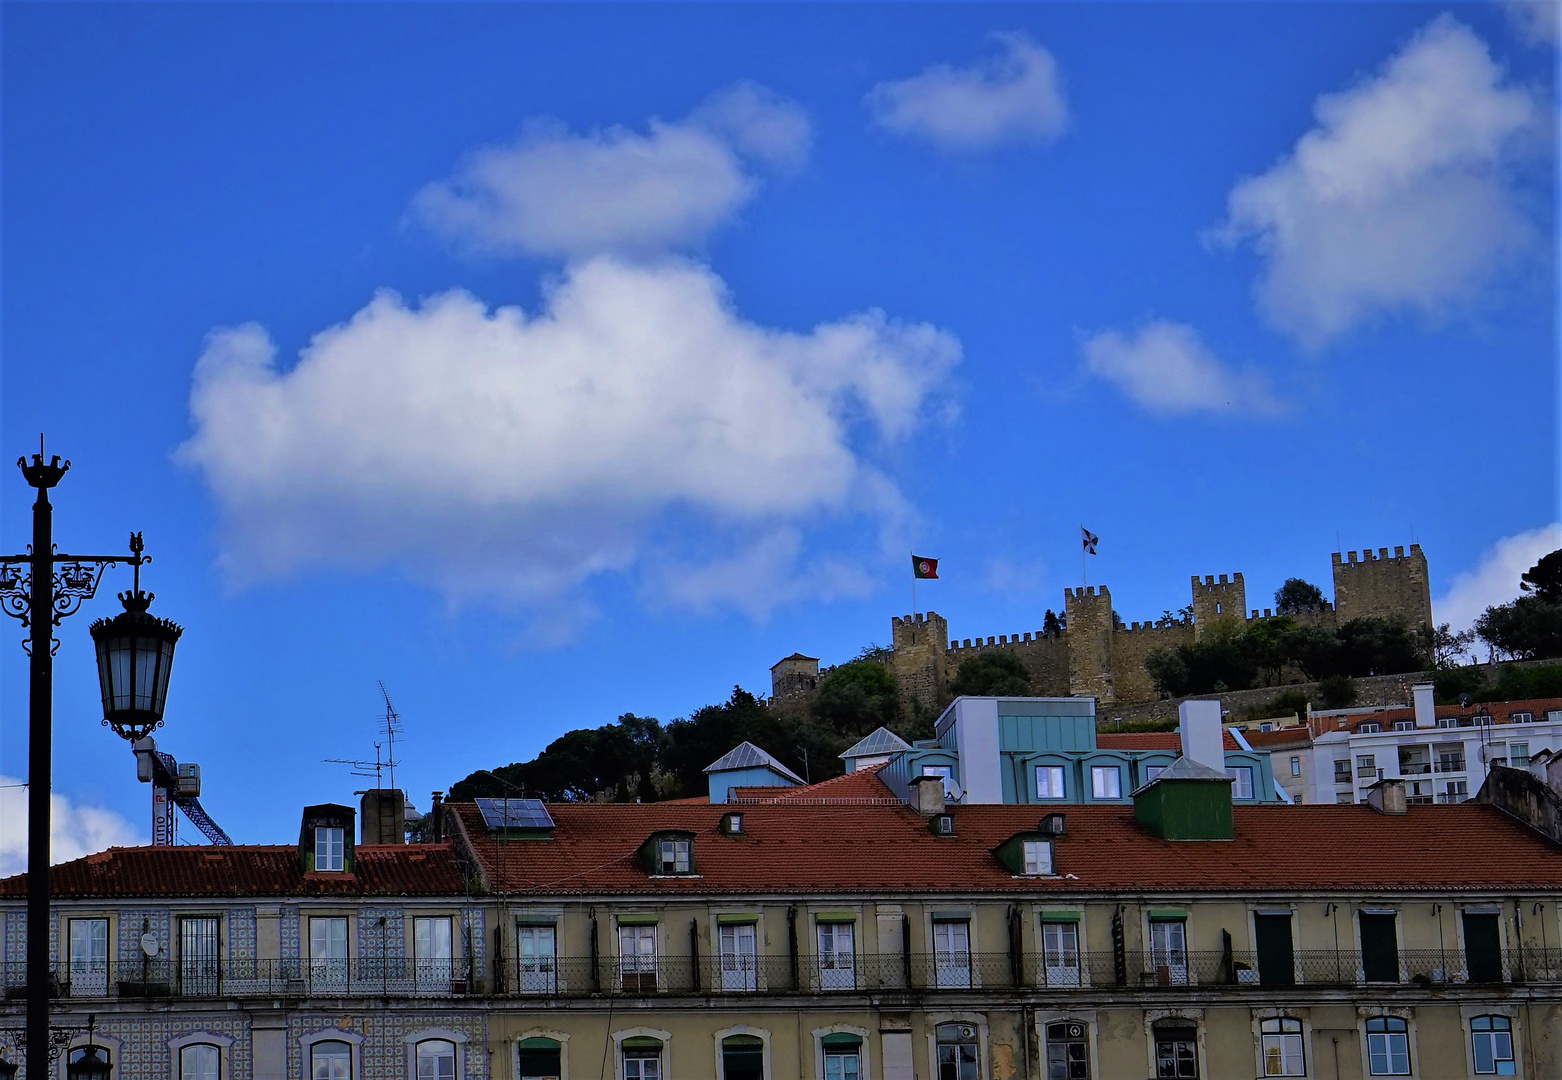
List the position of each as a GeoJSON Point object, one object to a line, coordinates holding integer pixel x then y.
{"type": "Point", "coordinates": [953, 972]}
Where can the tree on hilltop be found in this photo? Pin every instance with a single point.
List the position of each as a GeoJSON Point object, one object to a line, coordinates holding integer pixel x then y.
{"type": "Point", "coordinates": [1297, 595]}
{"type": "Point", "coordinates": [992, 674]}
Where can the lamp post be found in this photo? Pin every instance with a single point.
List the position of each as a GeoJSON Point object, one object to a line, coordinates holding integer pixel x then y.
{"type": "Point", "coordinates": [41, 588]}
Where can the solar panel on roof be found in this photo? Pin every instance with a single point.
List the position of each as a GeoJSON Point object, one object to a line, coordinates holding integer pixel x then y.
{"type": "Point", "coordinates": [514, 814]}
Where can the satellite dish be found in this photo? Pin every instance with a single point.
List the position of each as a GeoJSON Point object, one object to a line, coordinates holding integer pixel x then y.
{"type": "Point", "coordinates": [149, 944]}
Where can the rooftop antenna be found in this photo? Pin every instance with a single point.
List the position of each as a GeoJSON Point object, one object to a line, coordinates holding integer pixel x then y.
{"type": "Point", "coordinates": [392, 729]}
{"type": "Point", "coordinates": [365, 769]}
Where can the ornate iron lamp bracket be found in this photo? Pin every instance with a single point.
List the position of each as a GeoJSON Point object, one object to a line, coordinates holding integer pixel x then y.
{"type": "Point", "coordinates": [75, 579]}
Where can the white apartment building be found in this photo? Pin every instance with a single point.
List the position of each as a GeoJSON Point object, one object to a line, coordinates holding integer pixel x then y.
{"type": "Point", "coordinates": [1443, 753]}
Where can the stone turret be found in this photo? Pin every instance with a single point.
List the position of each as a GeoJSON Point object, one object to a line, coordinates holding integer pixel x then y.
{"type": "Point", "coordinates": [1089, 613]}
{"type": "Point", "coordinates": [1383, 585]}
{"type": "Point", "coordinates": [921, 643]}
{"type": "Point", "coordinates": [1215, 600]}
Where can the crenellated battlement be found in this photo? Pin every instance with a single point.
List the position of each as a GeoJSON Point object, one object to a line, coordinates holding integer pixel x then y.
{"type": "Point", "coordinates": [1309, 612]}
{"type": "Point", "coordinates": [1382, 555]}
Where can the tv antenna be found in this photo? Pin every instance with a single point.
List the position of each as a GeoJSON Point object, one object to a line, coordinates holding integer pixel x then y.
{"type": "Point", "coordinates": [384, 764]}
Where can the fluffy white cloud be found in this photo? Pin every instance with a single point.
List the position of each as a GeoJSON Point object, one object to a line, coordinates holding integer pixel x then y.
{"type": "Point", "coordinates": [74, 830]}
{"type": "Point", "coordinates": [1539, 22]}
{"type": "Point", "coordinates": [1166, 368]}
{"type": "Point", "coordinates": [1495, 579]}
{"type": "Point", "coordinates": [758, 576]}
{"type": "Point", "coordinates": [1013, 577]}
{"type": "Point", "coordinates": [1399, 199]}
{"type": "Point", "coordinates": [556, 192]}
{"type": "Point", "coordinates": [492, 450]}
{"type": "Point", "coordinates": [1017, 95]}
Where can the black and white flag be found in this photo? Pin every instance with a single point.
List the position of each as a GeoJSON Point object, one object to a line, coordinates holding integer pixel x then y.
{"type": "Point", "coordinates": [1090, 540]}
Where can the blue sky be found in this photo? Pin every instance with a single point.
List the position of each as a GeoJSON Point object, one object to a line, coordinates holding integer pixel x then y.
{"type": "Point", "coordinates": [550, 363]}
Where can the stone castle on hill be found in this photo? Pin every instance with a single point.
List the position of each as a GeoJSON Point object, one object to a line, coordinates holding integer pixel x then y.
{"type": "Point", "coordinates": [1095, 655]}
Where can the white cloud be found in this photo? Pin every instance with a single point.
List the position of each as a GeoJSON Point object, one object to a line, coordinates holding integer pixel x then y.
{"type": "Point", "coordinates": [555, 192]}
{"type": "Point", "coordinates": [495, 451]}
{"type": "Point", "coordinates": [1013, 577]}
{"type": "Point", "coordinates": [74, 830]}
{"type": "Point", "coordinates": [1400, 199]}
{"type": "Point", "coordinates": [1015, 96]}
{"type": "Point", "coordinates": [759, 576]}
{"type": "Point", "coordinates": [1166, 368]}
{"type": "Point", "coordinates": [1539, 22]}
{"type": "Point", "coordinates": [1495, 579]}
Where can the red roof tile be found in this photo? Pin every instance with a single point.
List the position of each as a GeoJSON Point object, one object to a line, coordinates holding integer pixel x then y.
{"type": "Point", "coordinates": [788, 848]}
{"type": "Point", "coordinates": [1498, 710]}
{"type": "Point", "coordinates": [861, 786]}
{"type": "Point", "coordinates": [1150, 740]}
{"type": "Point", "coordinates": [250, 870]}
{"type": "Point", "coordinates": [1279, 737]}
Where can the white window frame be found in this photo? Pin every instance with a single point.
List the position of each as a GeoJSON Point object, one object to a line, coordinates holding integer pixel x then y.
{"type": "Point", "coordinates": [1280, 1040]}
{"type": "Point", "coordinates": [837, 966]}
{"type": "Point", "coordinates": [536, 973]}
{"type": "Point", "coordinates": [678, 851]}
{"type": "Point", "coordinates": [1036, 857]}
{"type": "Point", "coordinates": [952, 954]}
{"type": "Point", "coordinates": [88, 968]}
{"type": "Point", "coordinates": [737, 952]}
{"type": "Point", "coordinates": [332, 841]}
{"type": "Point", "coordinates": [1174, 954]}
{"type": "Point", "coordinates": [1060, 955]}
{"type": "Point", "coordinates": [353, 1040]}
{"type": "Point", "coordinates": [946, 773]}
{"type": "Point", "coordinates": [433, 954]}
{"type": "Point", "coordinates": [665, 1037]}
{"type": "Point", "coordinates": [1240, 775]}
{"type": "Point", "coordinates": [1296, 765]}
{"type": "Point", "coordinates": [1490, 1036]}
{"type": "Point", "coordinates": [1087, 1020]}
{"type": "Point", "coordinates": [864, 1051]}
{"type": "Point", "coordinates": [1051, 772]}
{"type": "Point", "coordinates": [1099, 775]}
{"type": "Point", "coordinates": [458, 1039]}
{"type": "Point", "coordinates": [223, 1043]}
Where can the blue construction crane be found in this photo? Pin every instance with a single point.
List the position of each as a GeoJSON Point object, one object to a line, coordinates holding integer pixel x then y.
{"type": "Point", "coordinates": [173, 785]}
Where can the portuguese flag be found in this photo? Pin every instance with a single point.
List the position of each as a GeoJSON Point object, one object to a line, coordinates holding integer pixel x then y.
{"type": "Point", "coordinates": [923, 568]}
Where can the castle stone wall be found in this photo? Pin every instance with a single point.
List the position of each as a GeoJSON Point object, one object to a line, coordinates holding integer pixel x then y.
{"type": "Point", "coordinates": [1089, 621]}
{"type": "Point", "coordinates": [1215, 600]}
{"type": "Point", "coordinates": [921, 642]}
{"type": "Point", "coordinates": [1045, 658]}
{"type": "Point", "coordinates": [1131, 645]}
{"type": "Point", "coordinates": [1383, 585]}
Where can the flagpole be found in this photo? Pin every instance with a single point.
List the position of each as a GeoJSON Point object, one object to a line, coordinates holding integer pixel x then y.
{"type": "Point", "coordinates": [913, 586]}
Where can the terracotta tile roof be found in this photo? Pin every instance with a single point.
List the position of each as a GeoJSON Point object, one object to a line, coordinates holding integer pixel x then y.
{"type": "Point", "coordinates": [1279, 737]}
{"type": "Point", "coordinates": [250, 870]}
{"type": "Point", "coordinates": [787, 848]}
{"type": "Point", "coordinates": [1151, 740]}
{"type": "Point", "coordinates": [1498, 710]}
{"type": "Point", "coordinates": [862, 785]}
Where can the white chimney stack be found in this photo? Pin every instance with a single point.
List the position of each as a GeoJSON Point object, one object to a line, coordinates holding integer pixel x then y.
{"type": "Point", "coordinates": [1203, 739]}
{"type": "Point", "coordinates": [1426, 712]}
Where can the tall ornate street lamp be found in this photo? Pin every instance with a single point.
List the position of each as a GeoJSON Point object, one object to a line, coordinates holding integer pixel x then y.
{"type": "Point", "coordinates": [41, 588]}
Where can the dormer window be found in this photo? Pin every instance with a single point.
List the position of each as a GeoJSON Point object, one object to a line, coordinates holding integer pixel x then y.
{"type": "Point", "coordinates": [732, 824]}
{"type": "Point", "coordinates": [672, 855]}
{"type": "Point", "coordinates": [330, 849]}
{"type": "Point", "coordinates": [1038, 856]}
{"type": "Point", "coordinates": [942, 824]}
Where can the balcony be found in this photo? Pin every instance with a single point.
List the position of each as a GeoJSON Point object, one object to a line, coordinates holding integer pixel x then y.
{"type": "Point", "coordinates": [921, 973]}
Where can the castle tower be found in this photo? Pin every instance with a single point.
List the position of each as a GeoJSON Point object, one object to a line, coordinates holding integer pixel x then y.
{"type": "Point", "coordinates": [794, 676]}
{"type": "Point", "coordinates": [1089, 642]}
{"type": "Point", "coordinates": [920, 643]}
{"type": "Point", "coordinates": [1383, 585]}
{"type": "Point", "coordinates": [1214, 600]}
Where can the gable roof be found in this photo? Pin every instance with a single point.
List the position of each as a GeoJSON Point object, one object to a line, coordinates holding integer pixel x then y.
{"type": "Point", "coordinates": [862, 787]}
{"type": "Point", "coordinates": [1153, 740]}
{"type": "Point", "coordinates": [250, 870]}
{"type": "Point", "coordinates": [802, 848]}
{"type": "Point", "coordinates": [746, 755]}
{"type": "Point", "coordinates": [880, 741]}
{"type": "Point", "coordinates": [794, 656]}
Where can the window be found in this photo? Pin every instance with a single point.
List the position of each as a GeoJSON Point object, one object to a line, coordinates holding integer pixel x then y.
{"type": "Point", "coordinates": [1176, 1050]}
{"type": "Point", "coordinates": [947, 773]}
{"type": "Point", "coordinates": [538, 1058]}
{"type": "Point", "coordinates": [328, 950]}
{"type": "Point", "coordinates": [952, 953]}
{"type": "Point", "coordinates": [739, 966]}
{"type": "Point", "coordinates": [535, 957]}
{"type": "Point", "coordinates": [436, 1059]}
{"type": "Point", "coordinates": [1281, 1042]}
{"type": "Point", "coordinates": [637, 959]}
{"type": "Point", "coordinates": [1152, 771]}
{"type": "Point", "coordinates": [1379, 946]}
{"type": "Point", "coordinates": [742, 1058]}
{"type": "Point", "coordinates": [330, 1060]}
{"type": "Point", "coordinates": [1243, 775]}
{"type": "Point", "coordinates": [1342, 770]}
{"type": "Point", "coordinates": [837, 956]}
{"type": "Point", "coordinates": [1450, 758]}
{"type": "Point", "coordinates": [198, 955]}
{"type": "Point", "coordinates": [1446, 721]}
{"type": "Point", "coordinates": [1169, 950]}
{"type": "Point", "coordinates": [1522, 717]}
{"type": "Point", "coordinates": [1038, 856]}
{"type": "Point", "coordinates": [1345, 797]}
{"type": "Point", "coordinates": [1106, 782]}
{"type": "Point", "coordinates": [330, 849]}
{"type": "Point", "coordinates": [642, 1059]}
{"type": "Point", "coordinates": [1518, 755]}
{"type": "Point", "coordinates": [842, 1057]}
{"type": "Point", "coordinates": [1296, 766]}
{"type": "Point", "coordinates": [1068, 1051]}
{"type": "Point", "coordinates": [88, 957]}
{"type": "Point", "coordinates": [200, 1062]}
{"type": "Point", "coordinates": [1491, 1044]}
{"type": "Point", "coordinates": [90, 1060]}
{"type": "Point", "coordinates": [1366, 766]}
{"type": "Point", "coordinates": [672, 856]}
{"type": "Point", "coordinates": [1060, 953]}
{"type": "Point", "coordinates": [1388, 1046]}
{"type": "Point", "coordinates": [1482, 946]}
{"type": "Point", "coordinates": [431, 952]}
{"type": "Point", "coordinates": [1404, 725]}
{"type": "Point", "coordinates": [1455, 791]}
{"type": "Point", "coordinates": [1370, 727]}
{"type": "Point", "coordinates": [1049, 782]}
{"type": "Point", "coordinates": [1265, 726]}
{"type": "Point", "coordinates": [957, 1052]}
{"type": "Point", "coordinates": [1273, 948]}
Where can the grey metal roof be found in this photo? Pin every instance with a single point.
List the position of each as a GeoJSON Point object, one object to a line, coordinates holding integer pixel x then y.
{"type": "Point", "coordinates": [746, 755]}
{"type": "Point", "coordinates": [882, 741]}
{"type": "Point", "coordinates": [1186, 769]}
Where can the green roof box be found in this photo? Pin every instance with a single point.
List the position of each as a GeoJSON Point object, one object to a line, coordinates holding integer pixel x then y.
{"type": "Point", "coordinates": [1187, 801]}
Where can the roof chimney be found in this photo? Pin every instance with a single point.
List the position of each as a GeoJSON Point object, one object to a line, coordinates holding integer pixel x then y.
{"type": "Point", "coordinates": [927, 795]}
{"type": "Point", "coordinates": [1203, 738]}
{"type": "Point", "coordinates": [1387, 796]}
{"type": "Point", "coordinates": [384, 816]}
{"type": "Point", "coordinates": [436, 815]}
{"type": "Point", "coordinates": [1426, 712]}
